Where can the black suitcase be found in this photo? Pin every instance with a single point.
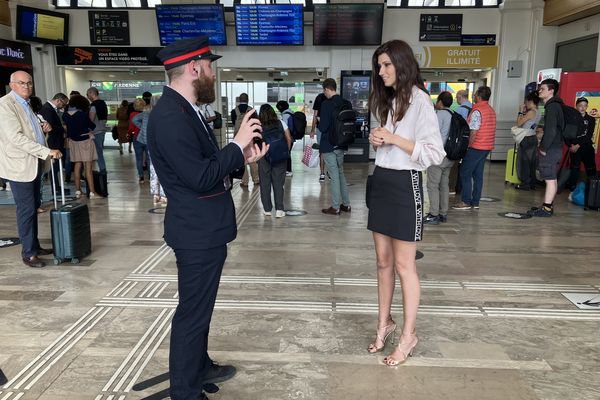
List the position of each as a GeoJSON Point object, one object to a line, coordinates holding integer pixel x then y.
{"type": "Point", "coordinates": [70, 226]}
{"type": "Point", "coordinates": [100, 184]}
{"type": "Point", "coordinates": [592, 201]}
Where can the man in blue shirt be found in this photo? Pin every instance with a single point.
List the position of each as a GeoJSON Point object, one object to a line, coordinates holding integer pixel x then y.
{"type": "Point", "coordinates": [465, 106]}
{"type": "Point", "coordinates": [333, 156]}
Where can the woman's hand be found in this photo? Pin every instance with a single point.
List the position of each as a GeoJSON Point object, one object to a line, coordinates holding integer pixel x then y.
{"type": "Point", "coordinates": [381, 136]}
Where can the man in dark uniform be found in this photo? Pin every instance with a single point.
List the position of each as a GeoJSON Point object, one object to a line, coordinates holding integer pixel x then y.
{"type": "Point", "coordinates": [200, 216]}
{"type": "Point", "coordinates": [56, 137]}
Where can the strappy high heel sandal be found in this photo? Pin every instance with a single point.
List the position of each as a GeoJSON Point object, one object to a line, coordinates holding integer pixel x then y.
{"type": "Point", "coordinates": [403, 351]}
{"type": "Point", "coordinates": [382, 335]}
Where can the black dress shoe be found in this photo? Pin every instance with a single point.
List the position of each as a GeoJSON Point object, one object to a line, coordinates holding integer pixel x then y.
{"type": "Point", "coordinates": [330, 211]}
{"type": "Point", "coordinates": [34, 262]}
{"type": "Point", "coordinates": [219, 373]}
{"type": "Point", "coordinates": [44, 252]}
{"type": "Point", "coordinates": [522, 187]}
{"type": "Point", "coordinates": [345, 208]}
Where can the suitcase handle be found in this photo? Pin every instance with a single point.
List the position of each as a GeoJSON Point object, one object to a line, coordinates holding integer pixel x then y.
{"type": "Point", "coordinates": [62, 183]}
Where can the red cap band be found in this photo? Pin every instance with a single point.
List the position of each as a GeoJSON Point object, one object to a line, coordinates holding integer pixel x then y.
{"type": "Point", "coordinates": [187, 55]}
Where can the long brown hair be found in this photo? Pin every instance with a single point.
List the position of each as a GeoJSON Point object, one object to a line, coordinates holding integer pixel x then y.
{"type": "Point", "coordinates": [267, 115]}
{"type": "Point", "coordinates": [408, 74]}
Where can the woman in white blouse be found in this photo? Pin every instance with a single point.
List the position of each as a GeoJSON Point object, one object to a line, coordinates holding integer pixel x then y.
{"type": "Point", "coordinates": [407, 142]}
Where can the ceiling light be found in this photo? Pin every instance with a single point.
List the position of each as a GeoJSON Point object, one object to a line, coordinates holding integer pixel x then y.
{"type": "Point", "coordinates": [226, 69]}
{"type": "Point", "coordinates": [78, 69]}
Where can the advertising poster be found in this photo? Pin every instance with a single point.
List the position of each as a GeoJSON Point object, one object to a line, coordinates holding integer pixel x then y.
{"type": "Point", "coordinates": [593, 110]}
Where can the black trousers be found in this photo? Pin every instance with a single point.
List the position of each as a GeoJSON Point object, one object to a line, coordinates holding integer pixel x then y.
{"type": "Point", "coordinates": [527, 161]}
{"type": "Point", "coordinates": [199, 273]}
{"type": "Point", "coordinates": [586, 155]}
{"type": "Point", "coordinates": [28, 199]}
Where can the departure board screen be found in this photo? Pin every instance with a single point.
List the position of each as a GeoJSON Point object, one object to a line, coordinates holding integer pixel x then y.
{"type": "Point", "coordinates": [347, 24]}
{"type": "Point", "coordinates": [42, 26]}
{"type": "Point", "coordinates": [177, 22]}
{"type": "Point", "coordinates": [269, 24]}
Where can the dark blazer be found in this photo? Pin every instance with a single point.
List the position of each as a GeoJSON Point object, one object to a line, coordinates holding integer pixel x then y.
{"type": "Point", "coordinates": [56, 137]}
{"type": "Point", "coordinates": [191, 168]}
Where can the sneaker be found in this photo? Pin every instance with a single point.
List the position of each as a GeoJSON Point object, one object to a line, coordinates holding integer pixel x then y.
{"type": "Point", "coordinates": [541, 211]}
{"type": "Point", "coordinates": [432, 219]}
{"type": "Point", "coordinates": [452, 193]}
{"type": "Point", "coordinates": [345, 208]}
{"type": "Point", "coordinates": [321, 177]}
{"type": "Point", "coordinates": [289, 174]}
{"type": "Point", "coordinates": [279, 213]}
{"type": "Point", "coordinates": [476, 206]}
{"type": "Point", "coordinates": [267, 213]}
{"type": "Point", "coordinates": [443, 218]}
{"type": "Point", "coordinates": [461, 206]}
{"type": "Point", "coordinates": [522, 187]}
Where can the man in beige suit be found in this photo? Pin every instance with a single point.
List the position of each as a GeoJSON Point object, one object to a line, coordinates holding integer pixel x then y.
{"type": "Point", "coordinates": [23, 153]}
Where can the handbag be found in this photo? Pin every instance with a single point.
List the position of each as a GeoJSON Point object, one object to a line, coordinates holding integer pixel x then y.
{"type": "Point", "coordinates": [310, 158]}
{"type": "Point", "coordinates": [519, 133]}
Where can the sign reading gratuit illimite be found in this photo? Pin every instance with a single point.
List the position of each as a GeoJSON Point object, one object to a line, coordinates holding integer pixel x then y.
{"type": "Point", "coordinates": [109, 27]}
{"type": "Point", "coordinates": [456, 56]}
{"type": "Point", "coordinates": [440, 27]}
{"type": "Point", "coordinates": [129, 56]}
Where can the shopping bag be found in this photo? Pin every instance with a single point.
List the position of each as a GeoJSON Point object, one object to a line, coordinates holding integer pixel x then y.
{"type": "Point", "coordinates": [310, 157]}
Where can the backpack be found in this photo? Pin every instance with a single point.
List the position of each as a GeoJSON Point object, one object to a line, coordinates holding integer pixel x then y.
{"type": "Point", "coordinates": [278, 146]}
{"type": "Point", "coordinates": [574, 123]}
{"type": "Point", "coordinates": [218, 123]}
{"type": "Point", "coordinates": [344, 125]}
{"type": "Point", "coordinates": [239, 116]}
{"type": "Point", "coordinates": [297, 124]}
{"type": "Point", "coordinates": [458, 137]}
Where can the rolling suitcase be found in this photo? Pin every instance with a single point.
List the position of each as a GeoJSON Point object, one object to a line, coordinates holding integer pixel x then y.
{"type": "Point", "coordinates": [592, 201]}
{"type": "Point", "coordinates": [70, 226]}
{"type": "Point", "coordinates": [511, 175]}
{"type": "Point", "coordinates": [100, 184]}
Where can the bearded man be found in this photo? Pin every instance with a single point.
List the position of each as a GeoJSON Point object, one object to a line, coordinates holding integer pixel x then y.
{"type": "Point", "coordinates": [200, 216]}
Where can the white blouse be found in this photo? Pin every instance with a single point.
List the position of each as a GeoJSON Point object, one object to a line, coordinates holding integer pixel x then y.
{"type": "Point", "coordinates": [419, 125]}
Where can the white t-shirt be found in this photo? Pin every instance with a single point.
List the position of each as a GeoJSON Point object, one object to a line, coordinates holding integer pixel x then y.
{"type": "Point", "coordinates": [419, 125]}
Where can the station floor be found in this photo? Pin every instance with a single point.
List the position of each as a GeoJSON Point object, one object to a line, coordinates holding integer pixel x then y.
{"type": "Point", "coordinates": [297, 302]}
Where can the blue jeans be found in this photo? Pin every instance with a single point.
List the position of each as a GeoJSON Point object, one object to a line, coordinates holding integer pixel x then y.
{"type": "Point", "coordinates": [339, 188]}
{"type": "Point", "coordinates": [140, 150]}
{"type": "Point", "coordinates": [471, 175]}
{"type": "Point", "coordinates": [99, 142]}
{"type": "Point", "coordinates": [28, 199]}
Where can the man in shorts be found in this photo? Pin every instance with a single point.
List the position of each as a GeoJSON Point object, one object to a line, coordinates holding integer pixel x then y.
{"type": "Point", "coordinates": [551, 145]}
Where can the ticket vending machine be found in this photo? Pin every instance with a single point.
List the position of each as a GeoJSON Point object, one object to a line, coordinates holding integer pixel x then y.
{"type": "Point", "coordinates": [356, 87]}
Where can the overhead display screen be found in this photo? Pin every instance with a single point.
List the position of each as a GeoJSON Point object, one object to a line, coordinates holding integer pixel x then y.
{"type": "Point", "coordinates": [347, 24]}
{"type": "Point", "coordinates": [177, 22]}
{"type": "Point", "coordinates": [272, 24]}
{"type": "Point", "coordinates": [42, 26]}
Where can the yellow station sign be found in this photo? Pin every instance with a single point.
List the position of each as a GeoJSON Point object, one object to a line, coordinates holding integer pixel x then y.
{"type": "Point", "coordinates": [457, 56]}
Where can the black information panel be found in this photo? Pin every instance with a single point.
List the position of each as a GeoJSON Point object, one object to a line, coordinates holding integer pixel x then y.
{"type": "Point", "coordinates": [274, 24]}
{"type": "Point", "coordinates": [347, 24]}
{"type": "Point", "coordinates": [440, 28]}
{"type": "Point", "coordinates": [130, 56]}
{"type": "Point", "coordinates": [177, 22]}
{"type": "Point", "coordinates": [109, 27]}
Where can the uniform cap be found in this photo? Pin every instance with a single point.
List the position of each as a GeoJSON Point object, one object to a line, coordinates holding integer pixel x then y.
{"type": "Point", "coordinates": [183, 51]}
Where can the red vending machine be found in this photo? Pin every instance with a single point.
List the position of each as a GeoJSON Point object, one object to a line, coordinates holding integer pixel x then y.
{"type": "Point", "coordinates": [583, 84]}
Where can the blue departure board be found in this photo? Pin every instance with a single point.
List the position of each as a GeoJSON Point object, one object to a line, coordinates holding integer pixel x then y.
{"type": "Point", "coordinates": [177, 22]}
{"type": "Point", "coordinates": [269, 24]}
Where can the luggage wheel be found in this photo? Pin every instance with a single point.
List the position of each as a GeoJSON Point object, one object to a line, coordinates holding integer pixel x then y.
{"type": "Point", "coordinates": [74, 260]}
{"type": "Point", "coordinates": [57, 261]}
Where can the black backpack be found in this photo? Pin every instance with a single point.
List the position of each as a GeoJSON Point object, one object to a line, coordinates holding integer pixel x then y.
{"type": "Point", "coordinates": [218, 123]}
{"type": "Point", "coordinates": [574, 123]}
{"type": "Point", "coordinates": [297, 124]}
{"type": "Point", "coordinates": [344, 125]}
{"type": "Point", "coordinates": [458, 137]}
{"type": "Point", "coordinates": [278, 146]}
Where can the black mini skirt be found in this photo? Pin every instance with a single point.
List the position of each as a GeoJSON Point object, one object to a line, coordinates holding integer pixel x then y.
{"type": "Point", "coordinates": [395, 200]}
